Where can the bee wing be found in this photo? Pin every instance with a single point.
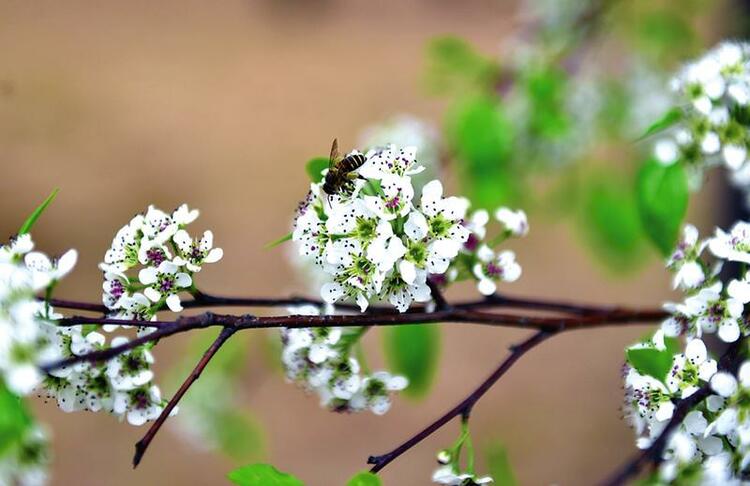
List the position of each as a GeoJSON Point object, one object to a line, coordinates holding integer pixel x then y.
{"type": "Point", "coordinates": [334, 157]}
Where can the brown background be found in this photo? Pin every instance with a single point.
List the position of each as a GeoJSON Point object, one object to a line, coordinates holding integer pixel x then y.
{"type": "Point", "coordinates": [219, 105]}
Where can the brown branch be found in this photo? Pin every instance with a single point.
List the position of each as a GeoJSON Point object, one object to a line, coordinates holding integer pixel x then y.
{"type": "Point", "coordinates": [452, 315]}
{"type": "Point", "coordinates": [142, 445]}
{"type": "Point", "coordinates": [203, 300]}
{"type": "Point", "coordinates": [464, 408]}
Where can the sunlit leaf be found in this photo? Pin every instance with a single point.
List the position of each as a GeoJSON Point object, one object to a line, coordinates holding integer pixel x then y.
{"type": "Point", "coordinates": [364, 478]}
{"type": "Point", "coordinates": [610, 222]}
{"type": "Point", "coordinates": [413, 351]}
{"type": "Point", "coordinates": [262, 475]}
{"type": "Point", "coordinates": [499, 465]}
{"type": "Point", "coordinates": [14, 418]}
{"type": "Point", "coordinates": [662, 194]}
{"type": "Point", "coordinates": [650, 361]}
{"type": "Point", "coordinates": [453, 65]}
{"type": "Point", "coordinates": [670, 118]}
{"type": "Point", "coordinates": [29, 223]}
{"type": "Point", "coordinates": [481, 137]}
{"type": "Point", "coordinates": [283, 239]}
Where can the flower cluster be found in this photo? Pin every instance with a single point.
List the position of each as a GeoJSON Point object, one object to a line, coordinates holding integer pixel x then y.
{"type": "Point", "coordinates": [712, 444]}
{"type": "Point", "coordinates": [376, 242]}
{"type": "Point", "coordinates": [25, 464]}
{"type": "Point", "coordinates": [408, 131]}
{"type": "Point", "coordinates": [165, 256]}
{"type": "Point", "coordinates": [319, 360]}
{"type": "Point", "coordinates": [28, 335]}
{"type": "Point", "coordinates": [713, 128]}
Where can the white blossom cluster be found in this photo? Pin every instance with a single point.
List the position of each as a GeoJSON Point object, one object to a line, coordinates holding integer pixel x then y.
{"type": "Point", "coordinates": [712, 444]}
{"type": "Point", "coordinates": [406, 130]}
{"type": "Point", "coordinates": [28, 335]}
{"type": "Point", "coordinates": [375, 241]}
{"type": "Point", "coordinates": [320, 361]}
{"type": "Point", "coordinates": [713, 129]}
{"type": "Point", "coordinates": [25, 463]}
{"type": "Point", "coordinates": [151, 261]}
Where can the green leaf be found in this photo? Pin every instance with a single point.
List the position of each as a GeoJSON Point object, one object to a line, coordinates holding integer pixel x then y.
{"type": "Point", "coordinates": [413, 351]}
{"type": "Point", "coordinates": [454, 66]}
{"type": "Point", "coordinates": [237, 434]}
{"type": "Point", "coordinates": [610, 223]}
{"type": "Point", "coordinates": [650, 361]}
{"type": "Point", "coordinates": [262, 475]}
{"type": "Point", "coordinates": [14, 419]}
{"type": "Point", "coordinates": [281, 240]}
{"type": "Point", "coordinates": [662, 194]}
{"type": "Point", "coordinates": [315, 167]}
{"type": "Point", "coordinates": [670, 118]}
{"type": "Point", "coordinates": [364, 478]}
{"type": "Point", "coordinates": [547, 92]}
{"type": "Point", "coordinates": [482, 138]}
{"type": "Point", "coordinates": [29, 223]}
{"type": "Point", "coordinates": [499, 465]}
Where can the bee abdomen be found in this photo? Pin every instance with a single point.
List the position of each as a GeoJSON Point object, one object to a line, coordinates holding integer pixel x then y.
{"type": "Point", "coordinates": [352, 162]}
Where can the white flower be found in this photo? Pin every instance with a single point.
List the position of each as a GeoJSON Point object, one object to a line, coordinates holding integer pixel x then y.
{"type": "Point", "coordinates": [491, 268]}
{"type": "Point", "coordinates": [193, 254]}
{"type": "Point", "coordinates": [123, 253]}
{"type": "Point", "coordinates": [733, 246]}
{"type": "Point", "coordinates": [184, 215]}
{"type": "Point", "coordinates": [389, 161]}
{"type": "Point", "coordinates": [375, 391]}
{"type": "Point", "coordinates": [685, 262]}
{"type": "Point", "coordinates": [666, 151]}
{"type": "Point", "coordinates": [448, 475]}
{"type": "Point", "coordinates": [46, 271]}
{"type": "Point", "coordinates": [514, 221]}
{"type": "Point", "coordinates": [165, 282]}
{"type": "Point", "coordinates": [711, 312]}
{"type": "Point", "coordinates": [444, 216]}
{"type": "Point", "coordinates": [395, 200]}
{"type": "Point", "coordinates": [139, 405]}
{"type": "Point", "coordinates": [158, 226]}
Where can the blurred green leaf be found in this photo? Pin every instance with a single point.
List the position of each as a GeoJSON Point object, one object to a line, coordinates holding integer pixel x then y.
{"type": "Point", "coordinates": [14, 419]}
{"type": "Point", "coordinates": [665, 29]}
{"type": "Point", "coordinates": [237, 434]}
{"type": "Point", "coordinates": [413, 351]}
{"type": "Point", "coordinates": [281, 240]}
{"type": "Point", "coordinates": [610, 223]}
{"type": "Point", "coordinates": [364, 478]}
{"type": "Point", "coordinates": [29, 223]}
{"type": "Point", "coordinates": [650, 361]}
{"type": "Point", "coordinates": [547, 92]}
{"type": "Point", "coordinates": [315, 167]}
{"type": "Point", "coordinates": [262, 475]}
{"type": "Point", "coordinates": [499, 465]}
{"type": "Point", "coordinates": [454, 66]}
{"type": "Point", "coordinates": [667, 120]}
{"type": "Point", "coordinates": [662, 194]}
{"type": "Point", "coordinates": [481, 138]}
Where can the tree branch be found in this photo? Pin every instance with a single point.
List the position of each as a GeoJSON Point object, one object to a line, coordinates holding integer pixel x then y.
{"type": "Point", "coordinates": [203, 300]}
{"type": "Point", "coordinates": [463, 408]}
{"type": "Point", "coordinates": [453, 315]}
{"type": "Point", "coordinates": [142, 445]}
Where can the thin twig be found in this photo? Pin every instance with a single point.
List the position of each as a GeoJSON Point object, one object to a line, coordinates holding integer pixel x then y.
{"type": "Point", "coordinates": [463, 408]}
{"type": "Point", "coordinates": [142, 445]}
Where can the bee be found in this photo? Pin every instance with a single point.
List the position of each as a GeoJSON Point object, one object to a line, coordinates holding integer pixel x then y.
{"type": "Point", "coordinates": [340, 176]}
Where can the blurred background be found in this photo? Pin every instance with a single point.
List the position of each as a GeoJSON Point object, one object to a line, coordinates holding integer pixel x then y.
{"type": "Point", "coordinates": [220, 105]}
